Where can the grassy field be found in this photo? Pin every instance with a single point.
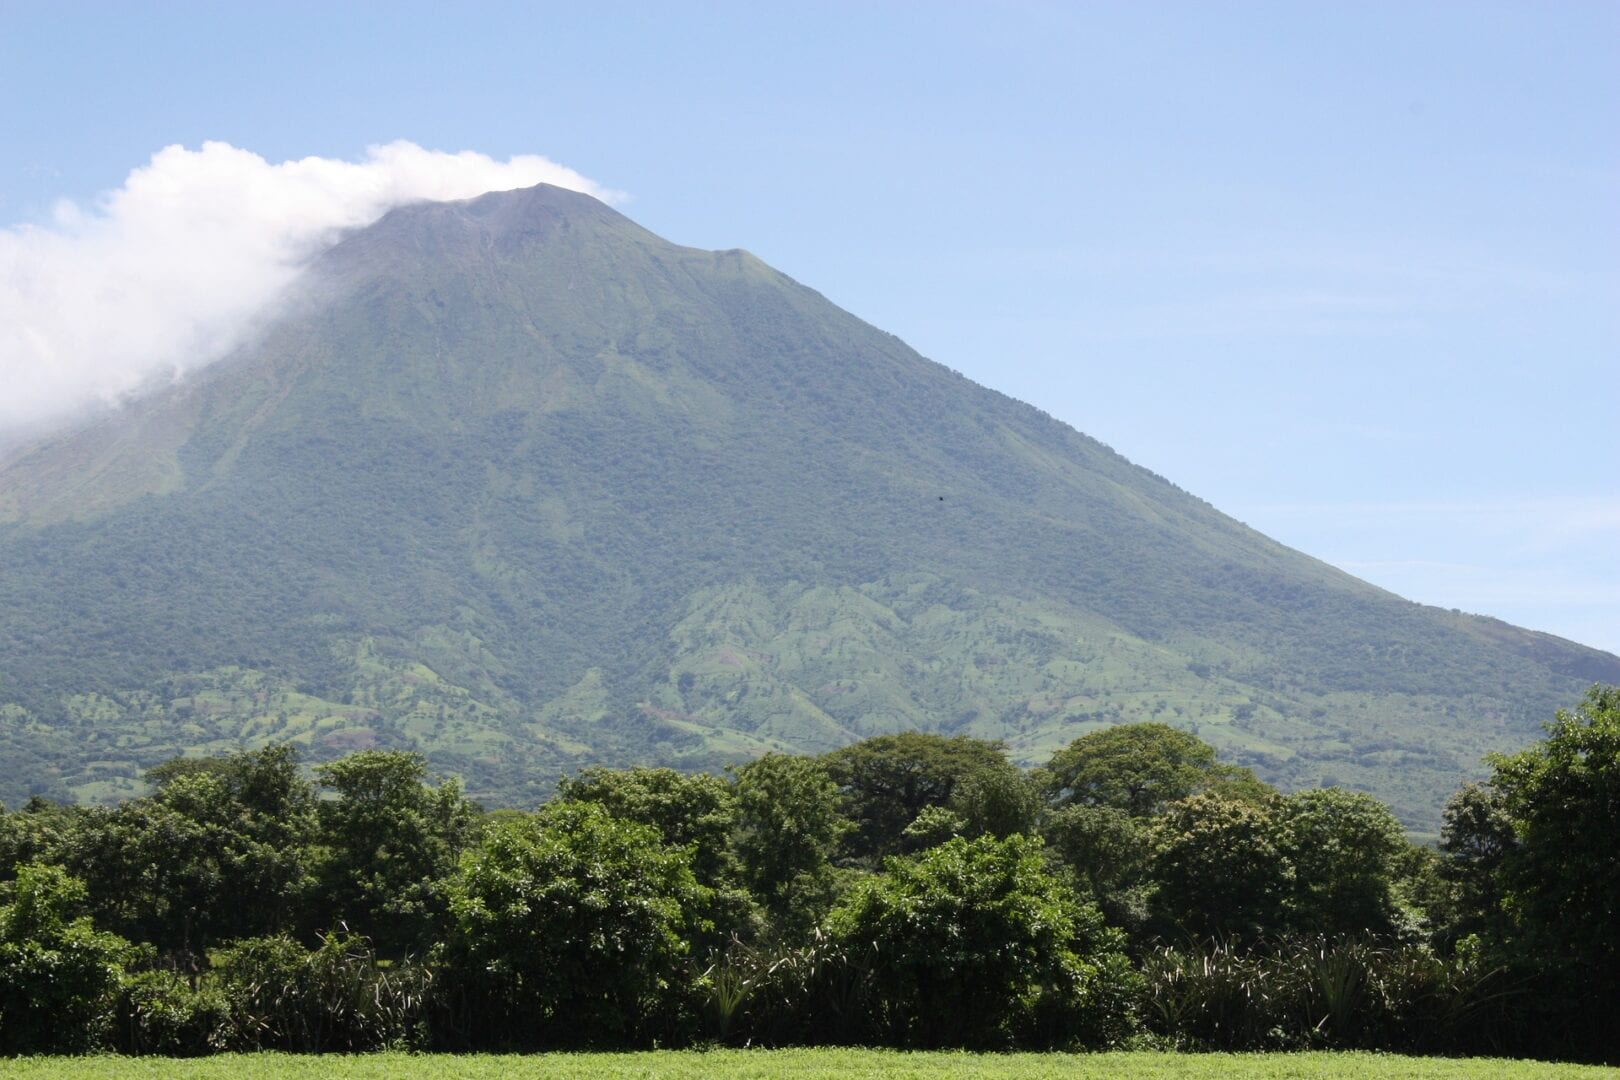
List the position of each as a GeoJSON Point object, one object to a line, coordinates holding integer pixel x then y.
{"type": "Point", "coordinates": [802, 1065]}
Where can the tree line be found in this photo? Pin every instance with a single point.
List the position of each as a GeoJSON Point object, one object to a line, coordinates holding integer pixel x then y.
{"type": "Point", "coordinates": [911, 890]}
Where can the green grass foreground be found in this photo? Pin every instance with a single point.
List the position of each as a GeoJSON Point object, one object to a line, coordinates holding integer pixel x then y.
{"type": "Point", "coordinates": [838, 1064]}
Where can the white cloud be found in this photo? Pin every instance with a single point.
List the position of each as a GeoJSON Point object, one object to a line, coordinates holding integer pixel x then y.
{"type": "Point", "coordinates": [166, 273]}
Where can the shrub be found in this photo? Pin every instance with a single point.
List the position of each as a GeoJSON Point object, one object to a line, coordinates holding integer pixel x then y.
{"type": "Point", "coordinates": [334, 998]}
{"type": "Point", "coordinates": [974, 944]}
{"type": "Point", "coordinates": [162, 1013]}
{"type": "Point", "coordinates": [1322, 992]}
{"type": "Point", "coordinates": [816, 993]}
{"type": "Point", "coordinates": [59, 975]}
{"type": "Point", "coordinates": [570, 931]}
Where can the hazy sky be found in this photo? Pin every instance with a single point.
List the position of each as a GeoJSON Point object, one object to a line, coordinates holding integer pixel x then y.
{"type": "Point", "coordinates": [1351, 272]}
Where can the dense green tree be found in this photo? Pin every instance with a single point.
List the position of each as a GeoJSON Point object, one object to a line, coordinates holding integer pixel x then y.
{"type": "Point", "coordinates": [389, 844]}
{"type": "Point", "coordinates": [161, 774]}
{"type": "Point", "coordinates": [999, 800]}
{"type": "Point", "coordinates": [1109, 854]}
{"type": "Point", "coordinates": [1218, 868]}
{"type": "Point", "coordinates": [1562, 874]}
{"type": "Point", "coordinates": [1476, 838]}
{"type": "Point", "coordinates": [974, 944]}
{"type": "Point", "coordinates": [1477, 831]}
{"type": "Point", "coordinates": [1138, 768]}
{"type": "Point", "coordinates": [570, 929]}
{"type": "Point", "coordinates": [1344, 847]}
{"type": "Point", "coordinates": [931, 828]}
{"type": "Point", "coordinates": [38, 832]}
{"type": "Point", "coordinates": [213, 854]}
{"type": "Point", "coordinates": [788, 826]}
{"type": "Point", "coordinates": [691, 810]}
{"type": "Point", "coordinates": [58, 973]}
{"type": "Point", "coordinates": [697, 812]}
{"type": "Point", "coordinates": [888, 780]}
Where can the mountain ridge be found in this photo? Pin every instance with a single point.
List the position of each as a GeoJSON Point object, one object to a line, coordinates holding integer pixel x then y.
{"type": "Point", "coordinates": [496, 446]}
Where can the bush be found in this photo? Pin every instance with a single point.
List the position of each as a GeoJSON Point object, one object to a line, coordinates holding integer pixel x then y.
{"type": "Point", "coordinates": [1338, 993]}
{"type": "Point", "coordinates": [59, 975]}
{"type": "Point", "coordinates": [973, 944]}
{"type": "Point", "coordinates": [571, 930]}
{"type": "Point", "coordinates": [161, 1013]}
{"type": "Point", "coordinates": [334, 998]}
{"type": "Point", "coordinates": [811, 994]}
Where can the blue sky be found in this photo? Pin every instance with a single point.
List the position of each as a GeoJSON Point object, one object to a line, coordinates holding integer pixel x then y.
{"type": "Point", "coordinates": [1351, 272]}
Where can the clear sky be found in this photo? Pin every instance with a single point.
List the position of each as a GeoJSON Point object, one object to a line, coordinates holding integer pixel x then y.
{"type": "Point", "coordinates": [1349, 271]}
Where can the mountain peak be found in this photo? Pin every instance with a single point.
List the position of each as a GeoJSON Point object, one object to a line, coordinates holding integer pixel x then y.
{"type": "Point", "coordinates": [499, 220]}
{"type": "Point", "coordinates": [536, 488]}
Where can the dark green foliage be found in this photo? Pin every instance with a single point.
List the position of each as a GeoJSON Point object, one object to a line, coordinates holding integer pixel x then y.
{"type": "Point", "coordinates": [1320, 992]}
{"type": "Point", "coordinates": [1344, 847]}
{"type": "Point", "coordinates": [1236, 859]}
{"type": "Point", "coordinates": [584, 924]}
{"type": "Point", "coordinates": [1562, 876]}
{"type": "Point", "coordinates": [39, 832]}
{"type": "Point", "coordinates": [389, 845]}
{"type": "Point", "coordinates": [1109, 854]}
{"type": "Point", "coordinates": [1138, 768]}
{"type": "Point", "coordinates": [974, 944]}
{"type": "Point", "coordinates": [1219, 868]}
{"type": "Point", "coordinates": [1535, 860]}
{"type": "Point", "coordinates": [813, 992]}
{"type": "Point", "coordinates": [888, 780]}
{"type": "Point", "coordinates": [165, 1014]}
{"type": "Point", "coordinates": [788, 826]}
{"type": "Point", "coordinates": [333, 998]}
{"type": "Point", "coordinates": [1477, 836]}
{"type": "Point", "coordinates": [997, 801]}
{"type": "Point", "coordinates": [217, 853]}
{"type": "Point", "coordinates": [570, 930]}
{"type": "Point", "coordinates": [696, 811]}
{"type": "Point", "coordinates": [931, 828]}
{"type": "Point", "coordinates": [59, 975]}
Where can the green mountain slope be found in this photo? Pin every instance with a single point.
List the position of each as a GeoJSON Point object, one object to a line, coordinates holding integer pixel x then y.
{"type": "Point", "coordinates": [519, 484]}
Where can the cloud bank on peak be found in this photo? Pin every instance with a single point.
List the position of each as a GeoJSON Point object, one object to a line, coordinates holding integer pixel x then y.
{"type": "Point", "coordinates": [166, 273]}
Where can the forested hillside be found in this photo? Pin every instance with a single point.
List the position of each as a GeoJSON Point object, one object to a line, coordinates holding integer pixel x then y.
{"type": "Point", "coordinates": [520, 486]}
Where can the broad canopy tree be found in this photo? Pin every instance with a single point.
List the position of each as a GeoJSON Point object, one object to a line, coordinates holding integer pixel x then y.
{"type": "Point", "coordinates": [1141, 769]}
{"type": "Point", "coordinates": [1344, 848]}
{"type": "Point", "coordinates": [691, 810]}
{"type": "Point", "coordinates": [888, 780]}
{"type": "Point", "coordinates": [1219, 869]}
{"type": "Point", "coordinates": [788, 827]}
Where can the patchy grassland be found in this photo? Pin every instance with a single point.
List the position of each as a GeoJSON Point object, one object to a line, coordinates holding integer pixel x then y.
{"type": "Point", "coordinates": [833, 1064]}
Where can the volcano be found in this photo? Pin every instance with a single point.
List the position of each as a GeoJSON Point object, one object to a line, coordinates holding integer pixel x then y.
{"type": "Point", "coordinates": [517, 484]}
